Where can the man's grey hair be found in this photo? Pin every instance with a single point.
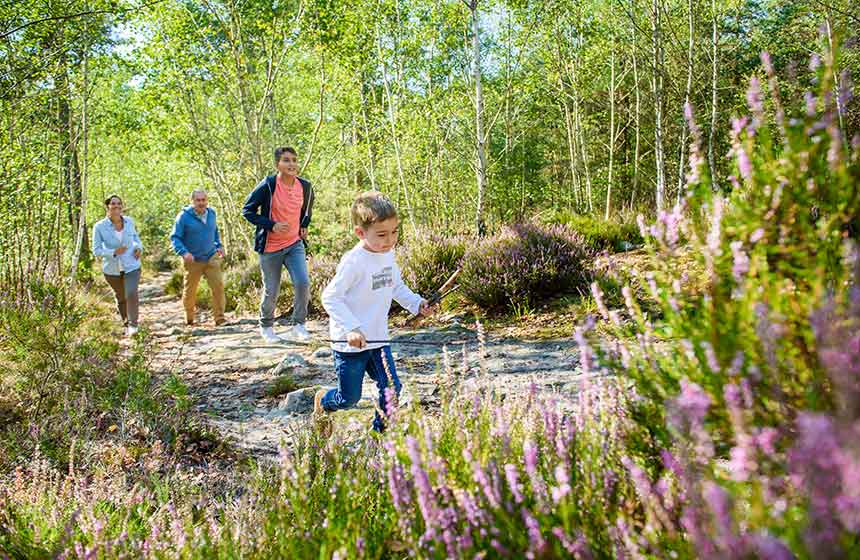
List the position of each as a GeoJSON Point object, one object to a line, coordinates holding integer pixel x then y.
{"type": "Point", "coordinates": [196, 192]}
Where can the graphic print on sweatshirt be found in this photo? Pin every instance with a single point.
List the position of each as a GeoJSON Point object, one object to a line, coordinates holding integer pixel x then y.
{"type": "Point", "coordinates": [383, 279]}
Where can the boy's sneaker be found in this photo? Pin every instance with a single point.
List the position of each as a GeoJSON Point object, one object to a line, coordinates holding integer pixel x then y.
{"type": "Point", "coordinates": [321, 418]}
{"type": "Point", "coordinates": [131, 330]}
{"type": "Point", "coordinates": [268, 333]}
{"type": "Point", "coordinates": [300, 333]}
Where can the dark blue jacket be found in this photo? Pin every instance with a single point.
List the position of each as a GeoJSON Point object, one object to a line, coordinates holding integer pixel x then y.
{"type": "Point", "coordinates": [191, 235]}
{"type": "Point", "coordinates": [258, 208]}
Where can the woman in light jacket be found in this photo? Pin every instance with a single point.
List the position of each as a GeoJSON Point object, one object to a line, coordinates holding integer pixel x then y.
{"type": "Point", "coordinates": [117, 242]}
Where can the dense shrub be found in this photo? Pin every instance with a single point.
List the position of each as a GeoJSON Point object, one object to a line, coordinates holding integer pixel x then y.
{"type": "Point", "coordinates": [600, 234]}
{"type": "Point", "coordinates": [428, 260]}
{"type": "Point", "coordinates": [767, 254]}
{"type": "Point", "coordinates": [523, 265]}
{"type": "Point", "coordinates": [62, 379]}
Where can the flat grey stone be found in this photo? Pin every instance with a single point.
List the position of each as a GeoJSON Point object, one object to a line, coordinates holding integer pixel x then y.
{"type": "Point", "coordinates": [323, 352]}
{"type": "Point", "coordinates": [298, 402]}
{"type": "Point", "coordinates": [288, 362]}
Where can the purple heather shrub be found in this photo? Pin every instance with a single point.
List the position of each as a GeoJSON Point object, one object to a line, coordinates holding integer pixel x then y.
{"type": "Point", "coordinates": [814, 462]}
{"type": "Point", "coordinates": [524, 263]}
{"type": "Point", "coordinates": [537, 543]}
{"type": "Point", "coordinates": [429, 259]}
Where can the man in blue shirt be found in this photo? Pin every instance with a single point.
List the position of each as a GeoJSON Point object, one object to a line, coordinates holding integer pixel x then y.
{"type": "Point", "coordinates": [195, 238]}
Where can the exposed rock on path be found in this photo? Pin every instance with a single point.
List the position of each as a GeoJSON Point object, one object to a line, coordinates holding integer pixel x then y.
{"type": "Point", "coordinates": [230, 369]}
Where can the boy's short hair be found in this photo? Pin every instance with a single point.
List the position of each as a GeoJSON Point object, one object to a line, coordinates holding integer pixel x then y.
{"type": "Point", "coordinates": [371, 207]}
{"type": "Point", "coordinates": [280, 151]}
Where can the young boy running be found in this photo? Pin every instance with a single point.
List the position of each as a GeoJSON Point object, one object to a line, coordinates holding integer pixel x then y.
{"type": "Point", "coordinates": [357, 301]}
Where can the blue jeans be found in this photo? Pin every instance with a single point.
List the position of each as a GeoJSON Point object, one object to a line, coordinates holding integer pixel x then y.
{"type": "Point", "coordinates": [350, 368]}
{"type": "Point", "coordinates": [271, 264]}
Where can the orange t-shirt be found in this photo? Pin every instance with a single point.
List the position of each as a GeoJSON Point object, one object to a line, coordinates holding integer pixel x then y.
{"type": "Point", "coordinates": [286, 207]}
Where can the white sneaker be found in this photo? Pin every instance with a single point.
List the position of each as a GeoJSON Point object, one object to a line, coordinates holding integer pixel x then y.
{"type": "Point", "coordinates": [268, 333]}
{"type": "Point", "coordinates": [130, 330]}
{"type": "Point", "coordinates": [300, 333]}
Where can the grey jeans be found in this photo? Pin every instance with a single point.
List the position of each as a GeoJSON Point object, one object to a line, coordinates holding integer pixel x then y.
{"type": "Point", "coordinates": [271, 264]}
{"type": "Point", "coordinates": [124, 288]}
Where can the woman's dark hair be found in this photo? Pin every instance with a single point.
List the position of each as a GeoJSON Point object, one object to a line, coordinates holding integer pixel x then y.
{"type": "Point", "coordinates": [111, 197]}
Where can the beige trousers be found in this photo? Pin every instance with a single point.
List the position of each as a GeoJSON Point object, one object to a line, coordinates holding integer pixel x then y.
{"type": "Point", "coordinates": [211, 269]}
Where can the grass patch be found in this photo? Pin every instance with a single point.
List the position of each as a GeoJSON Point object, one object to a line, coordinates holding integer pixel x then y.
{"type": "Point", "coordinates": [282, 385]}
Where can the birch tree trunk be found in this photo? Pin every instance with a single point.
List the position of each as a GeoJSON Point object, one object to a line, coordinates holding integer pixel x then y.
{"type": "Point", "coordinates": [480, 139]}
{"type": "Point", "coordinates": [684, 125]}
{"type": "Point", "coordinates": [637, 113]}
{"type": "Point", "coordinates": [81, 245]}
{"type": "Point", "coordinates": [712, 164]}
{"type": "Point", "coordinates": [611, 128]}
{"type": "Point", "coordinates": [657, 88]}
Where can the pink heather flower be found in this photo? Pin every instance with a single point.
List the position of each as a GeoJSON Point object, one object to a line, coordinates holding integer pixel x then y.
{"type": "Point", "coordinates": [741, 262]}
{"type": "Point", "coordinates": [742, 460]}
{"type": "Point", "coordinates": [814, 62]}
{"type": "Point", "coordinates": [563, 488]}
{"type": "Point", "coordinates": [643, 229]}
{"type": "Point", "coordinates": [597, 293]}
{"type": "Point", "coordinates": [586, 354]}
{"type": "Point", "coordinates": [530, 459]}
{"type": "Point", "coordinates": [710, 356]}
{"type": "Point", "coordinates": [537, 544]}
{"type": "Point", "coordinates": [578, 549]}
{"type": "Point", "coordinates": [771, 548]}
{"type": "Point", "coordinates": [693, 401]}
{"type": "Point", "coordinates": [756, 105]}
{"type": "Point", "coordinates": [757, 235]}
{"type": "Point", "coordinates": [738, 126]}
{"type": "Point", "coordinates": [765, 61]}
{"type": "Point", "coordinates": [512, 476]}
{"type": "Point", "coordinates": [811, 104]}
{"type": "Point", "coordinates": [766, 440]}
{"type": "Point", "coordinates": [744, 164]}
{"type": "Point", "coordinates": [718, 500]}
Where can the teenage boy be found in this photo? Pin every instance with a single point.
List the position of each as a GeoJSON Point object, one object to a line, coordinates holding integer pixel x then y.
{"type": "Point", "coordinates": [195, 238]}
{"type": "Point", "coordinates": [280, 206]}
{"type": "Point", "coordinates": [357, 301]}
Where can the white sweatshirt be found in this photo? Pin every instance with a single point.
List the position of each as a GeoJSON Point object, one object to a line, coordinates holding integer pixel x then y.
{"type": "Point", "coordinates": [359, 296]}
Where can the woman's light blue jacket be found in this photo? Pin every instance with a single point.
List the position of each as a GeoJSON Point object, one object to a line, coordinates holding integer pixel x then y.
{"type": "Point", "coordinates": [105, 243]}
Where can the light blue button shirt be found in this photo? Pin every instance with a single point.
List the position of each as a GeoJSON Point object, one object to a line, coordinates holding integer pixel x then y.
{"type": "Point", "coordinates": [105, 242]}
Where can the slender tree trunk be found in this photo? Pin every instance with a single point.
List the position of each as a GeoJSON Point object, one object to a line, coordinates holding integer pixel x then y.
{"type": "Point", "coordinates": [480, 139]}
{"type": "Point", "coordinates": [320, 117]}
{"type": "Point", "coordinates": [573, 157]}
{"type": "Point", "coordinates": [611, 128]}
{"type": "Point", "coordinates": [684, 125]}
{"type": "Point", "coordinates": [589, 200]}
{"type": "Point", "coordinates": [837, 78]}
{"type": "Point", "coordinates": [371, 158]}
{"type": "Point", "coordinates": [712, 163]}
{"type": "Point", "coordinates": [81, 246]}
{"type": "Point", "coordinates": [657, 86]}
{"type": "Point", "coordinates": [637, 116]}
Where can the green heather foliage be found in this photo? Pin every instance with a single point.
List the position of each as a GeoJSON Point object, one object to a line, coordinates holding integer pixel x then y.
{"type": "Point", "coordinates": [63, 380]}
{"type": "Point", "coordinates": [428, 260]}
{"type": "Point", "coordinates": [769, 253]}
{"type": "Point", "coordinates": [523, 265]}
{"type": "Point", "coordinates": [599, 234]}
{"type": "Point", "coordinates": [513, 480]}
